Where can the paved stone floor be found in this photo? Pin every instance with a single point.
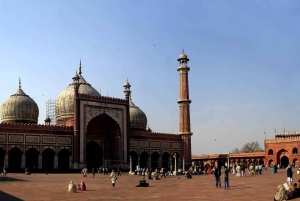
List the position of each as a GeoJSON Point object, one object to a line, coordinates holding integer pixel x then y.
{"type": "Point", "coordinates": [14, 187]}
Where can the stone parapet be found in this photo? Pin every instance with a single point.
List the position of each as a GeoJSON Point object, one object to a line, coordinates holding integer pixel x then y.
{"type": "Point", "coordinates": [153, 134]}
{"type": "Point", "coordinates": [290, 139]}
{"type": "Point", "coordinates": [35, 126]}
{"type": "Point", "coordinates": [102, 98]}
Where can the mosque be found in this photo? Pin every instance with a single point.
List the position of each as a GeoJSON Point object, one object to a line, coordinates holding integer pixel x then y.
{"type": "Point", "coordinates": [91, 131]}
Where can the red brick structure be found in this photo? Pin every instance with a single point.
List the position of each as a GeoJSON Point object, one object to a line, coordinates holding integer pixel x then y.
{"type": "Point", "coordinates": [92, 131]}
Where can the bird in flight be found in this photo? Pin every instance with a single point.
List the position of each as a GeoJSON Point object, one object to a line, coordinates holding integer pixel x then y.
{"type": "Point", "coordinates": [154, 45]}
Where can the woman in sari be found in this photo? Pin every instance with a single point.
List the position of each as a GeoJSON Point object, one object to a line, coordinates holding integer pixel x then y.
{"type": "Point", "coordinates": [81, 186]}
{"type": "Point", "coordinates": [72, 188]}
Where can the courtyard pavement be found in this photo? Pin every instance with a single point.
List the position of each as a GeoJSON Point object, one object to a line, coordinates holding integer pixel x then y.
{"type": "Point", "coordinates": [15, 187]}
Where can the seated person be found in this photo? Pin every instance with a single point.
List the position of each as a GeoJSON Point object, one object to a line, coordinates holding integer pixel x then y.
{"type": "Point", "coordinates": [81, 186]}
{"type": "Point", "coordinates": [72, 188]}
{"type": "Point", "coordinates": [142, 183]}
{"type": "Point", "coordinates": [155, 176]}
{"type": "Point", "coordinates": [188, 175]}
{"type": "Point", "coordinates": [149, 175]}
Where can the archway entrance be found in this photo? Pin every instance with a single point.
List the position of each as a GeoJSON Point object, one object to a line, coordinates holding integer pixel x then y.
{"type": "Point", "coordinates": [284, 161]}
{"type": "Point", "coordinates": [14, 159]}
{"type": "Point", "coordinates": [134, 158]}
{"type": "Point", "coordinates": [94, 155]}
{"type": "Point", "coordinates": [48, 159]}
{"type": "Point", "coordinates": [2, 155]}
{"type": "Point", "coordinates": [108, 150]}
{"type": "Point", "coordinates": [63, 159]}
{"type": "Point", "coordinates": [154, 160]}
{"type": "Point", "coordinates": [143, 160]}
{"type": "Point", "coordinates": [165, 160]}
{"type": "Point", "coordinates": [31, 158]}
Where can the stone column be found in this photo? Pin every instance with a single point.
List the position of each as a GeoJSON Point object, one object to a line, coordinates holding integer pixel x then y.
{"type": "Point", "coordinates": [130, 169]}
{"type": "Point", "coordinates": [175, 168]}
{"type": "Point", "coordinates": [138, 161]}
{"type": "Point", "coordinates": [55, 162]}
{"type": "Point", "coordinates": [23, 161]}
{"type": "Point", "coordinates": [6, 160]}
{"type": "Point", "coordinates": [183, 165]}
{"type": "Point", "coordinates": [40, 161]}
{"type": "Point", "coordinates": [70, 161]}
{"type": "Point", "coordinates": [148, 162]}
{"type": "Point", "coordinates": [159, 162]}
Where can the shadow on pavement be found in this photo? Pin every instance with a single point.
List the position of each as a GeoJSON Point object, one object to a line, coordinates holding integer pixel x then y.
{"type": "Point", "coordinates": [8, 197]}
{"type": "Point", "coordinates": [5, 178]}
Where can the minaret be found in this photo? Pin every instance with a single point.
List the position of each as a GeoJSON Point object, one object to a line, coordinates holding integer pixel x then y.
{"type": "Point", "coordinates": [79, 68]}
{"type": "Point", "coordinates": [76, 121]}
{"type": "Point", "coordinates": [184, 108]}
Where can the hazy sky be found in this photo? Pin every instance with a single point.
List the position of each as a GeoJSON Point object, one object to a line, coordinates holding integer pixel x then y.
{"type": "Point", "coordinates": [244, 60]}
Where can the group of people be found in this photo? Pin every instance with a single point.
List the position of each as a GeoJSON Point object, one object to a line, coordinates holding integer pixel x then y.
{"type": "Point", "coordinates": [224, 173]}
{"type": "Point", "coordinates": [72, 188]}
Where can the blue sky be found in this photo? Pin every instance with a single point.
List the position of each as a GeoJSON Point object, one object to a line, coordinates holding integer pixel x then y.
{"type": "Point", "coordinates": [244, 60]}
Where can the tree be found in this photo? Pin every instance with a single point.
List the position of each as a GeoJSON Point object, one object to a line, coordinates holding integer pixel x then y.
{"type": "Point", "coordinates": [250, 147]}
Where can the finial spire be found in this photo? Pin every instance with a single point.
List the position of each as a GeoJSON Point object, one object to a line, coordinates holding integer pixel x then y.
{"type": "Point", "coordinates": [183, 50]}
{"type": "Point", "coordinates": [19, 83]}
{"type": "Point", "coordinates": [80, 67]}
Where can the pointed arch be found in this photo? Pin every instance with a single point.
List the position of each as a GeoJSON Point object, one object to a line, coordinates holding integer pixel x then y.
{"type": "Point", "coordinates": [295, 150]}
{"type": "Point", "coordinates": [165, 160]}
{"type": "Point", "coordinates": [32, 158]}
{"type": "Point", "coordinates": [270, 152]}
{"type": "Point", "coordinates": [63, 159]}
{"type": "Point", "coordinates": [14, 159]}
{"type": "Point", "coordinates": [94, 155]}
{"type": "Point", "coordinates": [154, 160]}
{"type": "Point", "coordinates": [48, 158]}
{"type": "Point", "coordinates": [144, 159]}
{"type": "Point", "coordinates": [2, 156]}
{"type": "Point", "coordinates": [134, 158]}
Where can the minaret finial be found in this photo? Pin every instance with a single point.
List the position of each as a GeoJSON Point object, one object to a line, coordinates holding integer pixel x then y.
{"type": "Point", "coordinates": [19, 83]}
{"type": "Point", "coordinates": [183, 50]}
{"type": "Point", "coordinates": [80, 67]}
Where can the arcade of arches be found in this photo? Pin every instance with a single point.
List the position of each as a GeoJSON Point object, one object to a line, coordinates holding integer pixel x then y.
{"type": "Point", "coordinates": [155, 160]}
{"type": "Point", "coordinates": [17, 161]}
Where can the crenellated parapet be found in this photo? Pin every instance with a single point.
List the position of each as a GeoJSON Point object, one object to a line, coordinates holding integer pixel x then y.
{"type": "Point", "coordinates": [287, 135]}
{"type": "Point", "coordinates": [102, 98]}
{"type": "Point", "coordinates": [277, 140]}
{"type": "Point", "coordinates": [36, 126]}
{"type": "Point", "coordinates": [153, 134]}
{"type": "Point", "coordinates": [229, 155]}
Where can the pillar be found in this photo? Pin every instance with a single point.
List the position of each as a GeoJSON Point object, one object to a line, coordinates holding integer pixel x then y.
{"type": "Point", "coordinates": [55, 162]}
{"type": "Point", "coordinates": [40, 161]}
{"type": "Point", "coordinates": [159, 163]}
{"type": "Point", "coordinates": [183, 165]}
{"type": "Point", "coordinates": [6, 160]}
{"type": "Point", "coordinates": [23, 161]}
{"type": "Point", "coordinates": [130, 166]}
{"type": "Point", "coordinates": [175, 168]}
{"type": "Point", "coordinates": [138, 161]}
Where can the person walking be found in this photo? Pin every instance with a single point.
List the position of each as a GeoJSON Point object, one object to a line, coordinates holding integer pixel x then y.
{"type": "Point", "coordinates": [289, 173]}
{"type": "Point", "coordinates": [224, 174]}
{"type": "Point", "coordinates": [163, 172]}
{"type": "Point", "coordinates": [217, 174]}
{"type": "Point", "coordinates": [113, 178]}
{"type": "Point", "coordinates": [93, 172]}
{"type": "Point", "coordinates": [119, 171]}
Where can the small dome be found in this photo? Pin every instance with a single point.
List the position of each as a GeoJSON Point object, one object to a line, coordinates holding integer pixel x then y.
{"type": "Point", "coordinates": [183, 56]}
{"type": "Point", "coordinates": [148, 129]}
{"type": "Point", "coordinates": [64, 105]}
{"type": "Point", "coordinates": [19, 108]}
{"type": "Point", "coordinates": [138, 119]}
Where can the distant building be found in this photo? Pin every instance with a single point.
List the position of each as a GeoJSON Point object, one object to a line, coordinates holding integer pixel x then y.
{"type": "Point", "coordinates": [282, 150]}
{"type": "Point", "coordinates": [91, 131]}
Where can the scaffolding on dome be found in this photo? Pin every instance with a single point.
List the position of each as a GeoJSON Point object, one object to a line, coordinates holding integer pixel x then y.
{"type": "Point", "coordinates": [50, 111]}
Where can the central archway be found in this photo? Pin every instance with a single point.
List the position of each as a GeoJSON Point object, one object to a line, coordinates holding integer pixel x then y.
{"type": "Point", "coordinates": [94, 155]}
{"type": "Point", "coordinates": [48, 159]}
{"type": "Point", "coordinates": [284, 161]}
{"type": "Point", "coordinates": [106, 132]}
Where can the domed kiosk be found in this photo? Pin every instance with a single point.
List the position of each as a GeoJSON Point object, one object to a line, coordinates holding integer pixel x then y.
{"type": "Point", "coordinates": [64, 106]}
{"type": "Point", "coordinates": [19, 108]}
